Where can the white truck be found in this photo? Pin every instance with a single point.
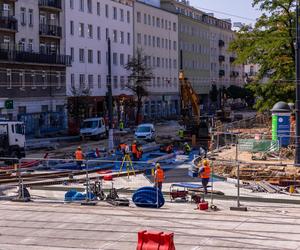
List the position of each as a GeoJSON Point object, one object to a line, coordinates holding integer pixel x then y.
{"type": "Point", "coordinates": [93, 128]}
{"type": "Point", "coordinates": [12, 139]}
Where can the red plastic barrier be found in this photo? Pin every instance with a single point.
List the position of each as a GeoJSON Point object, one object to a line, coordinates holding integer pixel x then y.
{"type": "Point", "coordinates": [155, 241]}
{"type": "Point", "coordinates": [108, 178]}
{"type": "Point", "coordinates": [203, 205]}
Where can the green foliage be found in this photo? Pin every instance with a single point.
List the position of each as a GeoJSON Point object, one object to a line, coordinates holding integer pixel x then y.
{"type": "Point", "coordinates": [270, 43]}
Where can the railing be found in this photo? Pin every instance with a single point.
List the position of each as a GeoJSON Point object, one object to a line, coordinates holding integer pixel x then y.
{"type": "Point", "coordinates": [50, 30]}
{"type": "Point", "coordinates": [8, 22]}
{"type": "Point", "coordinates": [33, 57]}
{"type": "Point", "coordinates": [50, 3]}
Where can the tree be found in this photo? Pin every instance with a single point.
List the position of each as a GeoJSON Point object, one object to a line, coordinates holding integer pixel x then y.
{"type": "Point", "coordinates": [139, 77]}
{"type": "Point", "coordinates": [78, 104]}
{"type": "Point", "coordinates": [270, 43]}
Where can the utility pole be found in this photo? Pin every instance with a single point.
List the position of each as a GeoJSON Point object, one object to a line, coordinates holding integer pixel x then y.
{"type": "Point", "coordinates": [297, 106]}
{"type": "Point", "coordinates": [109, 90]}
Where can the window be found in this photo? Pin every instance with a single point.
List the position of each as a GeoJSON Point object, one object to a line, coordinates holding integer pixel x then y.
{"type": "Point", "coordinates": [145, 40]}
{"type": "Point", "coordinates": [72, 54]}
{"type": "Point", "coordinates": [149, 40]}
{"type": "Point", "coordinates": [71, 4]}
{"type": "Point", "coordinates": [81, 29]}
{"type": "Point", "coordinates": [30, 17]}
{"type": "Point", "coordinates": [157, 22]}
{"type": "Point", "coordinates": [115, 36]}
{"type": "Point", "coordinates": [106, 33]}
{"type": "Point", "coordinates": [115, 59]}
{"type": "Point", "coordinates": [44, 78]}
{"type": "Point", "coordinates": [175, 45]}
{"type": "Point", "coordinates": [91, 81]}
{"type": "Point", "coordinates": [149, 20]}
{"type": "Point", "coordinates": [158, 62]}
{"type": "Point", "coordinates": [106, 11]}
{"type": "Point", "coordinates": [153, 41]}
{"type": "Point", "coordinates": [122, 59]}
{"type": "Point", "coordinates": [58, 77]}
{"type": "Point", "coordinates": [99, 81]}
{"type": "Point", "coordinates": [128, 16]}
{"type": "Point", "coordinates": [175, 64]}
{"type": "Point", "coordinates": [145, 18]}
{"type": "Point", "coordinates": [81, 55]}
{"type": "Point", "coordinates": [30, 45]}
{"type": "Point", "coordinates": [22, 80]}
{"type": "Point", "coordinates": [138, 17]}
{"type": "Point", "coordinates": [115, 82]}
{"type": "Point", "coordinates": [158, 42]}
{"type": "Point", "coordinates": [98, 33]}
{"type": "Point", "coordinates": [121, 15]}
{"type": "Point", "coordinates": [89, 6]}
{"type": "Point", "coordinates": [8, 79]}
{"type": "Point", "coordinates": [81, 5]}
{"type": "Point", "coordinates": [90, 56]}
{"type": "Point", "coordinates": [98, 8]}
{"type": "Point", "coordinates": [122, 82]}
{"type": "Point", "coordinates": [128, 38]}
{"type": "Point", "coordinates": [153, 21]}
{"type": "Point", "coordinates": [72, 28]}
{"type": "Point", "coordinates": [90, 31]}
{"type": "Point", "coordinates": [122, 37]}
{"type": "Point", "coordinates": [139, 38]}
{"type": "Point", "coordinates": [81, 81]}
{"type": "Point", "coordinates": [72, 81]}
{"type": "Point", "coordinates": [174, 27]}
{"type": "Point", "coordinates": [23, 16]}
{"type": "Point", "coordinates": [115, 13]}
{"type": "Point", "coordinates": [99, 57]}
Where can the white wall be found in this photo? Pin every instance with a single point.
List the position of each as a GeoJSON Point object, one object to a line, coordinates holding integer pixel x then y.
{"type": "Point", "coordinates": [77, 42]}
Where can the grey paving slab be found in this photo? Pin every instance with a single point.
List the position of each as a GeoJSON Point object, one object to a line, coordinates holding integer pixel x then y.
{"type": "Point", "coordinates": [71, 226]}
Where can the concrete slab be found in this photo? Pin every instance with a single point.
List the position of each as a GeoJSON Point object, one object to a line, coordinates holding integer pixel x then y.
{"type": "Point", "coordinates": [71, 226]}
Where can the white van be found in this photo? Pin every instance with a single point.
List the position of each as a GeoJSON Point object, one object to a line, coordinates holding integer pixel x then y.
{"type": "Point", "coordinates": [145, 132]}
{"type": "Point", "coordinates": [93, 128]}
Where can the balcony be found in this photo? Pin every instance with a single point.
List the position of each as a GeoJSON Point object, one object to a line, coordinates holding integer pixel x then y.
{"type": "Point", "coordinates": [11, 55]}
{"type": "Point", "coordinates": [221, 43]}
{"type": "Point", "coordinates": [221, 72]}
{"type": "Point", "coordinates": [234, 74]}
{"type": "Point", "coordinates": [50, 30]}
{"type": "Point", "coordinates": [221, 58]}
{"type": "Point", "coordinates": [50, 4]}
{"type": "Point", "coordinates": [8, 23]}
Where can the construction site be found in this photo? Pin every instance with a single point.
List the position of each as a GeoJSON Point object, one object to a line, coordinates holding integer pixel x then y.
{"type": "Point", "coordinates": [49, 201]}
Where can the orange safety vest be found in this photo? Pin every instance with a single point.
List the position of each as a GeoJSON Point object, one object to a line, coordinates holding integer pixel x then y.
{"type": "Point", "coordinates": [159, 176]}
{"type": "Point", "coordinates": [206, 173]}
{"type": "Point", "coordinates": [134, 148]}
{"type": "Point", "coordinates": [78, 155]}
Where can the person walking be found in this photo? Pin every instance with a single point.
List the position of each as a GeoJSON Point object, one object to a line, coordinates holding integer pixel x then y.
{"type": "Point", "coordinates": [159, 177]}
{"type": "Point", "coordinates": [204, 174]}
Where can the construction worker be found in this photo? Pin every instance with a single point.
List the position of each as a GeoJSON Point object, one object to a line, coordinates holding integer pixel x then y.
{"type": "Point", "coordinates": [134, 150]}
{"type": "Point", "coordinates": [187, 148]}
{"type": "Point", "coordinates": [139, 153]}
{"type": "Point", "coordinates": [79, 156]}
{"type": "Point", "coordinates": [159, 176]}
{"type": "Point", "coordinates": [121, 125]}
{"type": "Point", "coordinates": [204, 174]}
{"type": "Point", "coordinates": [123, 147]}
{"type": "Point", "coordinates": [169, 149]}
{"type": "Point", "coordinates": [181, 133]}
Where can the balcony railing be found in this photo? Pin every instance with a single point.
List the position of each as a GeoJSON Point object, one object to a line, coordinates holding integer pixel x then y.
{"type": "Point", "coordinates": [50, 3]}
{"type": "Point", "coordinates": [50, 30]}
{"type": "Point", "coordinates": [234, 74]}
{"type": "Point", "coordinates": [12, 55]}
{"type": "Point", "coordinates": [8, 22]}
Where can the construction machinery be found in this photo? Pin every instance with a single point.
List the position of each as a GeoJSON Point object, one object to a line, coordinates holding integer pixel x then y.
{"type": "Point", "coordinates": [190, 111]}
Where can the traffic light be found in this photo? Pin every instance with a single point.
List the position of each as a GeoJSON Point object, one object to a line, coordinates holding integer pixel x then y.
{"type": "Point", "coordinates": [9, 104]}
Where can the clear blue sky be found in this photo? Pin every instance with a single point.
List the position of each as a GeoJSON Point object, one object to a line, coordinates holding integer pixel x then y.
{"type": "Point", "coordinates": [241, 8]}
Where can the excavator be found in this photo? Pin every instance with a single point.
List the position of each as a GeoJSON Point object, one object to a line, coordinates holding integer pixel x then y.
{"type": "Point", "coordinates": [195, 124]}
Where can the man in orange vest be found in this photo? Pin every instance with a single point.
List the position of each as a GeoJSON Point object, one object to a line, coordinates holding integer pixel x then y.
{"type": "Point", "coordinates": [134, 150]}
{"type": "Point", "coordinates": [159, 177]}
{"type": "Point", "coordinates": [204, 174]}
{"type": "Point", "coordinates": [79, 156]}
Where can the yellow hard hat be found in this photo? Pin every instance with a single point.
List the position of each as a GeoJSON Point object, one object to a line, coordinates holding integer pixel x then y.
{"type": "Point", "coordinates": [205, 162]}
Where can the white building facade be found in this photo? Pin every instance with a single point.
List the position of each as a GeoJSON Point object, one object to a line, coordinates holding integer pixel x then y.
{"type": "Point", "coordinates": [156, 34]}
{"type": "Point", "coordinates": [89, 24]}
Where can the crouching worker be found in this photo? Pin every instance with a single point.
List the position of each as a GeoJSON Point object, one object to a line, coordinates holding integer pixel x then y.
{"type": "Point", "coordinates": [204, 174]}
{"type": "Point", "coordinates": [159, 177]}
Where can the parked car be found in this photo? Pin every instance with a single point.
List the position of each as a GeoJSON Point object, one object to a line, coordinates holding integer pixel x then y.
{"type": "Point", "coordinates": [145, 132]}
{"type": "Point", "coordinates": [93, 128]}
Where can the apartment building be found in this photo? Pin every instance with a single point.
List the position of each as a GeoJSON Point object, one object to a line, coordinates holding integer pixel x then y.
{"type": "Point", "coordinates": [156, 34]}
{"type": "Point", "coordinates": [33, 63]}
{"type": "Point", "coordinates": [204, 42]}
{"type": "Point", "coordinates": [89, 25]}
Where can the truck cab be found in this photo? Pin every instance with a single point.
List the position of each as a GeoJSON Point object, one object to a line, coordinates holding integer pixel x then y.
{"type": "Point", "coordinates": [93, 128]}
{"type": "Point", "coordinates": [12, 139]}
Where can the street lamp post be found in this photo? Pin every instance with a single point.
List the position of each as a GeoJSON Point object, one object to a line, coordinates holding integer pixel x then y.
{"type": "Point", "coordinates": [297, 104]}
{"type": "Point", "coordinates": [109, 90]}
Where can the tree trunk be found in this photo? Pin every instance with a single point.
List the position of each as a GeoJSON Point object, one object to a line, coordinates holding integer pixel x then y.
{"type": "Point", "coordinates": [139, 106]}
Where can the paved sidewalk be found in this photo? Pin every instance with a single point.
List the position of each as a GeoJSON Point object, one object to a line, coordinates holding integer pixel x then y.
{"type": "Point", "coordinates": [71, 226]}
